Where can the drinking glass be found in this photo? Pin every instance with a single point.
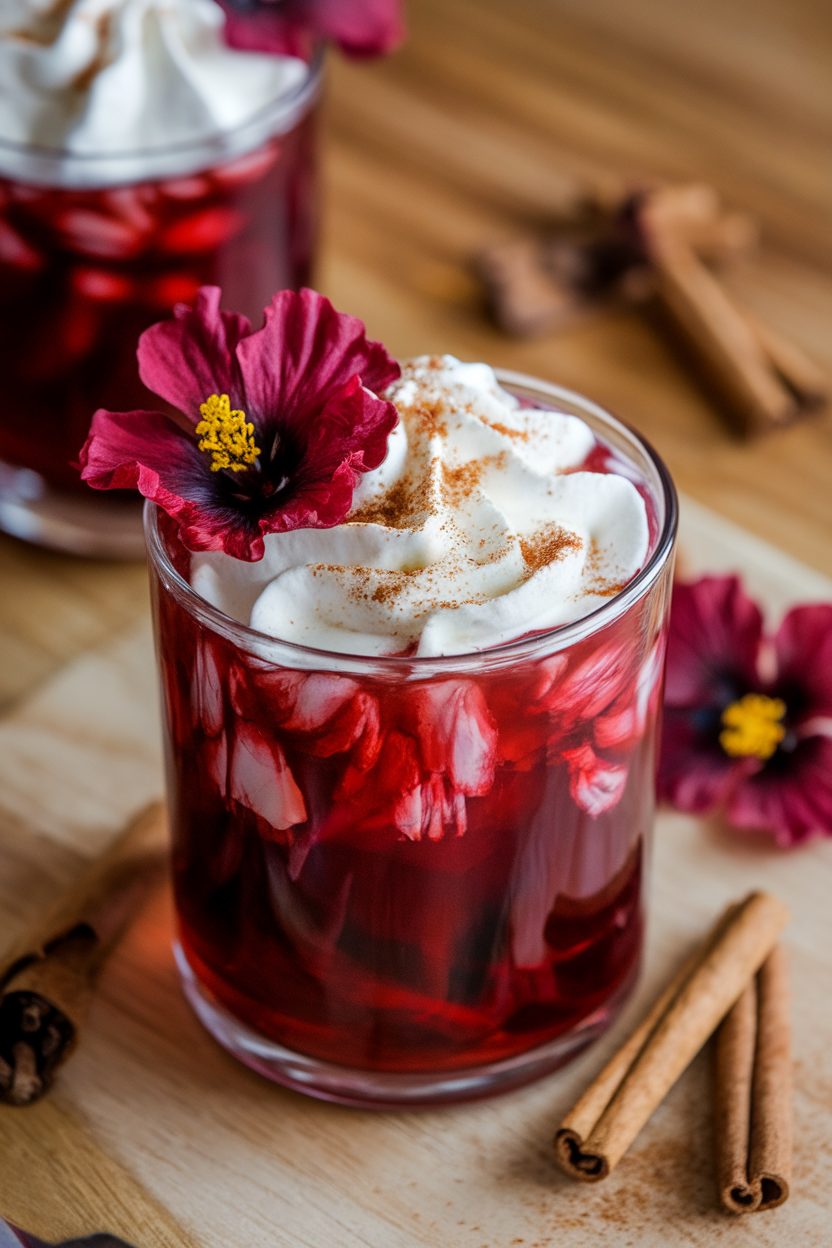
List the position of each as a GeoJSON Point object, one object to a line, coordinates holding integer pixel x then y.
{"type": "Point", "coordinates": [402, 880]}
{"type": "Point", "coordinates": [90, 257]}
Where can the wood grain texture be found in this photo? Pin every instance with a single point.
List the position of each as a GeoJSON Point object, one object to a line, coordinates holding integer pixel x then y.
{"type": "Point", "coordinates": [58, 1183]}
{"type": "Point", "coordinates": [239, 1163]}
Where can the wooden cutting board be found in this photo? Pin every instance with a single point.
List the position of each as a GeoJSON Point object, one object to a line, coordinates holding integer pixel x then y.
{"type": "Point", "coordinates": [154, 1132]}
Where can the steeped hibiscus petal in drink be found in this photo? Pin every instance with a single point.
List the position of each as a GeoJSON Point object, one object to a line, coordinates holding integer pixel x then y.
{"type": "Point", "coordinates": [411, 737]}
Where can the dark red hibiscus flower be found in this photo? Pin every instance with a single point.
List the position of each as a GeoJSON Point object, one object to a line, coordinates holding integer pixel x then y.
{"type": "Point", "coordinates": [275, 428]}
{"type": "Point", "coordinates": [748, 718]}
{"type": "Point", "coordinates": [360, 27]}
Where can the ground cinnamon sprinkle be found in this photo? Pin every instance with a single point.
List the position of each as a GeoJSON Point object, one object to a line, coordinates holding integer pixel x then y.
{"type": "Point", "coordinates": [547, 545]}
{"type": "Point", "coordinates": [392, 510]}
{"type": "Point", "coordinates": [594, 581]}
{"type": "Point", "coordinates": [428, 415]}
{"type": "Point", "coordinates": [520, 435]}
{"type": "Point", "coordinates": [390, 587]}
{"type": "Point", "coordinates": [460, 482]}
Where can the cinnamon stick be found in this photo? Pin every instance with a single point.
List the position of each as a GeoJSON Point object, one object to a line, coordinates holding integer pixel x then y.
{"type": "Point", "coordinates": [770, 1153]}
{"type": "Point", "coordinates": [717, 333]}
{"type": "Point", "coordinates": [765, 380]}
{"type": "Point", "coordinates": [734, 1070]}
{"type": "Point", "coordinates": [753, 1090]}
{"type": "Point", "coordinates": [638, 1078]}
{"type": "Point", "coordinates": [807, 382]}
{"type": "Point", "coordinates": [47, 979]}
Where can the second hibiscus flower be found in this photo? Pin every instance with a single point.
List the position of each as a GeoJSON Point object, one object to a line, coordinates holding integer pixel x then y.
{"type": "Point", "coordinates": [748, 718]}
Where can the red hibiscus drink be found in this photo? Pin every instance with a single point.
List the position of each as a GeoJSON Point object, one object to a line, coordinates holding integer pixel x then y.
{"type": "Point", "coordinates": [411, 738]}
{"type": "Point", "coordinates": [84, 271]}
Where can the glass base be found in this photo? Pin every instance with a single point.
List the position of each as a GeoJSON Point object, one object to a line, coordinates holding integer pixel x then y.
{"type": "Point", "coordinates": [98, 526]}
{"type": "Point", "coordinates": [369, 1089]}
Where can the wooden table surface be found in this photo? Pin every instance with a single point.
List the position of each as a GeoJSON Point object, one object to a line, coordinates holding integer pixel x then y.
{"type": "Point", "coordinates": [493, 117]}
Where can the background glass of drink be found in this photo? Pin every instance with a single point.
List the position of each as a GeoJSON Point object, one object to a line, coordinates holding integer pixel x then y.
{"type": "Point", "coordinates": [90, 257]}
{"type": "Point", "coordinates": [407, 881]}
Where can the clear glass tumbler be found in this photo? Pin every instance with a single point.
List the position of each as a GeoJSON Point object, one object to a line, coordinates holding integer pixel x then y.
{"type": "Point", "coordinates": [90, 257]}
{"type": "Point", "coordinates": [406, 881]}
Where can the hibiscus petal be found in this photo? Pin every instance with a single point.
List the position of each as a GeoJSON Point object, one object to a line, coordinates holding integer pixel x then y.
{"type": "Point", "coordinates": [714, 643]}
{"type": "Point", "coordinates": [358, 725]}
{"type": "Point", "coordinates": [361, 27]}
{"type": "Point", "coordinates": [347, 438]}
{"type": "Point", "coordinates": [791, 798]}
{"type": "Point", "coordinates": [695, 774]}
{"type": "Point", "coordinates": [262, 781]}
{"type": "Point", "coordinates": [318, 696]}
{"type": "Point", "coordinates": [142, 450]}
{"type": "Point", "coordinates": [192, 356]}
{"type": "Point", "coordinates": [625, 721]}
{"type": "Point", "coordinates": [146, 451]}
{"type": "Point", "coordinates": [592, 686]}
{"type": "Point", "coordinates": [595, 784]}
{"type": "Point", "coordinates": [263, 29]}
{"type": "Point", "coordinates": [352, 427]}
{"type": "Point", "coordinates": [804, 658]}
{"type": "Point", "coordinates": [303, 356]}
{"type": "Point", "coordinates": [206, 691]}
{"type": "Point", "coordinates": [457, 734]}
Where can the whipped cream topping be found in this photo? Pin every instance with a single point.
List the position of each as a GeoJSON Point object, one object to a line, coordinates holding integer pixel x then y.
{"type": "Point", "coordinates": [478, 528]}
{"type": "Point", "coordinates": [93, 77]}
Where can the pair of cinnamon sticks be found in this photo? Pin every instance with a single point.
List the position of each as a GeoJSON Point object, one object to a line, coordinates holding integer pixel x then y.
{"type": "Point", "coordinates": [764, 379]}
{"type": "Point", "coordinates": [47, 980]}
{"type": "Point", "coordinates": [736, 982]}
{"type": "Point", "coordinates": [664, 245]}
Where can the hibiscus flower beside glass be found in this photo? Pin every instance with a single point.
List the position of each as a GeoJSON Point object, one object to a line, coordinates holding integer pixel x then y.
{"type": "Point", "coordinates": [146, 148]}
{"type": "Point", "coordinates": [411, 626]}
{"type": "Point", "coordinates": [748, 718]}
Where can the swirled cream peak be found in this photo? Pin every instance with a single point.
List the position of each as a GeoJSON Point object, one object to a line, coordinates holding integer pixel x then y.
{"type": "Point", "coordinates": [93, 77]}
{"type": "Point", "coordinates": [478, 527]}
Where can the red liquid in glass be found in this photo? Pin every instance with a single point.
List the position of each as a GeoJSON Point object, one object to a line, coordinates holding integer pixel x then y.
{"type": "Point", "coordinates": [84, 272]}
{"type": "Point", "coordinates": [509, 909]}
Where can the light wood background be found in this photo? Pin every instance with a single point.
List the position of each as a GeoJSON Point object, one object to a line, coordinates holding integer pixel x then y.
{"type": "Point", "coordinates": [492, 118]}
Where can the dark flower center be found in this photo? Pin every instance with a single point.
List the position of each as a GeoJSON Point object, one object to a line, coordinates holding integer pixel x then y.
{"type": "Point", "coordinates": [249, 478]}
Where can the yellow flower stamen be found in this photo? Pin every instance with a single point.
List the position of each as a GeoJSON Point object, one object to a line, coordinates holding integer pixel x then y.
{"type": "Point", "coordinates": [227, 435]}
{"type": "Point", "coordinates": [752, 726]}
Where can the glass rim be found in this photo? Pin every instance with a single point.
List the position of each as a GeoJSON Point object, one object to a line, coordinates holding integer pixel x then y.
{"type": "Point", "coordinates": [254, 642]}
{"type": "Point", "coordinates": [289, 104]}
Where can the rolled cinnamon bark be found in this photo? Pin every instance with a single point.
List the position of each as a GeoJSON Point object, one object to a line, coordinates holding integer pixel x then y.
{"type": "Point", "coordinates": [753, 1094]}
{"type": "Point", "coordinates": [718, 334]}
{"type": "Point", "coordinates": [734, 1070]}
{"type": "Point", "coordinates": [770, 1153]}
{"type": "Point", "coordinates": [47, 979]}
{"type": "Point", "coordinates": [806, 381]}
{"type": "Point", "coordinates": [578, 1123]}
{"type": "Point", "coordinates": [702, 998]}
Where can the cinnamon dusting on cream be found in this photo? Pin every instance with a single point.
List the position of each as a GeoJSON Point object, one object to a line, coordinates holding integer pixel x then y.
{"type": "Point", "coordinates": [547, 545]}
{"type": "Point", "coordinates": [485, 522]}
